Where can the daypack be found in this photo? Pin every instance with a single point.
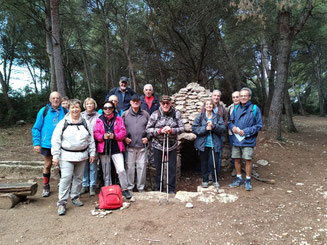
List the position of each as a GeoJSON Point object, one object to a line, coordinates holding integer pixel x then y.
{"type": "Point", "coordinates": [110, 197]}
{"type": "Point", "coordinates": [254, 109]}
{"type": "Point", "coordinates": [83, 123]}
{"type": "Point", "coordinates": [46, 109]}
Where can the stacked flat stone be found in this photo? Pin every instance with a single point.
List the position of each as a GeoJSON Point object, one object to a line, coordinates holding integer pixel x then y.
{"type": "Point", "coordinates": [189, 102]}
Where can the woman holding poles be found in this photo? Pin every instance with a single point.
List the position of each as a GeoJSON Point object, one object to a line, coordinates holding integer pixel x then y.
{"type": "Point", "coordinates": [208, 127]}
{"type": "Point", "coordinates": [110, 131]}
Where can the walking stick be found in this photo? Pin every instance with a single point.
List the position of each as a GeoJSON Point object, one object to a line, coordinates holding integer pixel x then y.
{"type": "Point", "coordinates": [167, 164]}
{"type": "Point", "coordinates": [107, 159]}
{"type": "Point", "coordinates": [162, 164]}
{"type": "Point", "coordinates": [213, 159]}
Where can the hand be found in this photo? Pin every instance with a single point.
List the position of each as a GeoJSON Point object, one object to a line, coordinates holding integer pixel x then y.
{"type": "Point", "coordinates": [92, 159]}
{"type": "Point", "coordinates": [235, 130]}
{"type": "Point", "coordinates": [166, 130]}
{"type": "Point", "coordinates": [55, 162]}
{"type": "Point", "coordinates": [210, 124]}
{"type": "Point", "coordinates": [111, 136]}
{"type": "Point", "coordinates": [106, 136]}
{"type": "Point", "coordinates": [127, 140]}
{"type": "Point", "coordinates": [37, 149]}
{"type": "Point", "coordinates": [209, 127]}
{"type": "Point", "coordinates": [145, 140]}
{"type": "Point", "coordinates": [241, 132]}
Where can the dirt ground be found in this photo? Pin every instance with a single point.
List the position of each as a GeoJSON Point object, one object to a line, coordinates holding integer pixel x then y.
{"type": "Point", "coordinates": [292, 211]}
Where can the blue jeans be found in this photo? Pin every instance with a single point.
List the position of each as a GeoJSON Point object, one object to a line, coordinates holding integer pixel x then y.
{"type": "Point", "coordinates": [231, 142]}
{"type": "Point", "coordinates": [90, 173]}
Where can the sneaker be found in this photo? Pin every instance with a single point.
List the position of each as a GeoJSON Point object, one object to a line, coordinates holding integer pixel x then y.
{"type": "Point", "coordinates": [77, 202]}
{"type": "Point", "coordinates": [46, 191]}
{"type": "Point", "coordinates": [92, 191]}
{"type": "Point", "coordinates": [248, 186]}
{"type": "Point", "coordinates": [205, 184]}
{"type": "Point", "coordinates": [233, 172]}
{"type": "Point", "coordinates": [255, 174]}
{"type": "Point", "coordinates": [85, 189]}
{"type": "Point", "coordinates": [237, 182]}
{"type": "Point", "coordinates": [126, 194]}
{"type": "Point", "coordinates": [210, 177]}
{"type": "Point", "coordinates": [171, 192]}
{"type": "Point", "coordinates": [216, 185]}
{"type": "Point", "coordinates": [61, 210]}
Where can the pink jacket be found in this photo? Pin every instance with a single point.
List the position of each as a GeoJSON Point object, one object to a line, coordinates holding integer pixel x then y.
{"type": "Point", "coordinates": [119, 131]}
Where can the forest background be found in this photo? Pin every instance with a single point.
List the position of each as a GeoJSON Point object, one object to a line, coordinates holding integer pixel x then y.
{"type": "Point", "coordinates": [82, 47]}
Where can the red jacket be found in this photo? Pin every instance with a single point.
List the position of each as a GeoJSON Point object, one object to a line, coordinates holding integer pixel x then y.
{"type": "Point", "coordinates": [119, 131]}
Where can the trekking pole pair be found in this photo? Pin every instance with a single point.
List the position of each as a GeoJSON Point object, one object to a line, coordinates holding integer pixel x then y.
{"type": "Point", "coordinates": [214, 161]}
{"type": "Point", "coordinates": [165, 160]}
{"type": "Point", "coordinates": [107, 155]}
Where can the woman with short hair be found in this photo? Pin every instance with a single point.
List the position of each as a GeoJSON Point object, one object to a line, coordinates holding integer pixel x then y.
{"type": "Point", "coordinates": [90, 172]}
{"type": "Point", "coordinates": [72, 145]}
{"type": "Point", "coordinates": [109, 131]}
{"type": "Point", "coordinates": [208, 128]}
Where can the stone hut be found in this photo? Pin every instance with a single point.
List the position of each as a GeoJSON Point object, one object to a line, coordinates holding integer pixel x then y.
{"type": "Point", "coordinates": [189, 102]}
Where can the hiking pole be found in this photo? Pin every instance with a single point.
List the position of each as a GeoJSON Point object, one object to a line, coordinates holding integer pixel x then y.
{"type": "Point", "coordinates": [147, 160]}
{"type": "Point", "coordinates": [108, 160]}
{"type": "Point", "coordinates": [213, 159]}
{"type": "Point", "coordinates": [167, 163]}
{"type": "Point", "coordinates": [162, 164]}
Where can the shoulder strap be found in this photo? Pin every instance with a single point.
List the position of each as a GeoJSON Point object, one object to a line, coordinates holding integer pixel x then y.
{"type": "Point", "coordinates": [66, 124]}
{"type": "Point", "coordinates": [254, 110]}
{"type": "Point", "coordinates": [45, 112]}
{"type": "Point", "coordinates": [65, 110]}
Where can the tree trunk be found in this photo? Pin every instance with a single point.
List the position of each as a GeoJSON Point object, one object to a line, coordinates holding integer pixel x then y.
{"type": "Point", "coordinates": [5, 92]}
{"type": "Point", "coordinates": [289, 112]}
{"type": "Point", "coordinates": [130, 63]}
{"type": "Point", "coordinates": [59, 70]}
{"type": "Point", "coordinates": [285, 44]}
{"type": "Point", "coordinates": [53, 83]}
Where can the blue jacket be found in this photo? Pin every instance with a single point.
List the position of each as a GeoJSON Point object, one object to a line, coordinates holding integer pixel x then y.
{"type": "Point", "coordinates": [123, 105]}
{"type": "Point", "coordinates": [199, 127]}
{"type": "Point", "coordinates": [246, 120]}
{"type": "Point", "coordinates": [154, 106]}
{"type": "Point", "coordinates": [44, 127]}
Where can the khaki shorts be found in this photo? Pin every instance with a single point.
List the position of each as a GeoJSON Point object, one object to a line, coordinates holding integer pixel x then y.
{"type": "Point", "coordinates": [245, 152]}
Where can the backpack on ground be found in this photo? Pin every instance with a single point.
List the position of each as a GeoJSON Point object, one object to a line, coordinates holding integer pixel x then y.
{"type": "Point", "coordinates": [110, 197]}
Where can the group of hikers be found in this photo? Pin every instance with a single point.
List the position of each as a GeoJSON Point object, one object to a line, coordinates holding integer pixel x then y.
{"type": "Point", "coordinates": [128, 129]}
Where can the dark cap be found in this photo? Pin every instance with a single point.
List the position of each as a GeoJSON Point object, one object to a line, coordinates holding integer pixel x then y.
{"type": "Point", "coordinates": [135, 97]}
{"type": "Point", "coordinates": [123, 79]}
{"type": "Point", "coordinates": [165, 98]}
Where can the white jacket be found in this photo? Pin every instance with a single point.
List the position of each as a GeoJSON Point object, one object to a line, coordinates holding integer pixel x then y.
{"type": "Point", "coordinates": [74, 138]}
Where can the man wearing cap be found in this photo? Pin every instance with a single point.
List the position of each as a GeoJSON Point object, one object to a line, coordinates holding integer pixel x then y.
{"type": "Point", "coordinates": [123, 93]}
{"type": "Point", "coordinates": [165, 121]}
{"type": "Point", "coordinates": [135, 120]}
{"type": "Point", "coordinates": [149, 102]}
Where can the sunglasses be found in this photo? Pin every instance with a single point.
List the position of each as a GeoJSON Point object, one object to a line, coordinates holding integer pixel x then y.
{"type": "Point", "coordinates": [165, 103]}
{"type": "Point", "coordinates": [108, 108]}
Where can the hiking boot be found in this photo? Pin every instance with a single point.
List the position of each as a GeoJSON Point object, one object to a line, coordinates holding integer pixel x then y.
{"type": "Point", "coordinates": [210, 177]}
{"type": "Point", "coordinates": [92, 191]}
{"type": "Point", "coordinates": [85, 189]}
{"type": "Point", "coordinates": [46, 191]}
{"type": "Point", "coordinates": [248, 186]}
{"type": "Point", "coordinates": [237, 182]}
{"type": "Point", "coordinates": [255, 174]}
{"type": "Point", "coordinates": [61, 209]}
{"type": "Point", "coordinates": [126, 194]}
{"type": "Point", "coordinates": [205, 184]}
{"type": "Point", "coordinates": [233, 172]}
{"type": "Point", "coordinates": [77, 202]}
{"type": "Point", "coordinates": [216, 185]}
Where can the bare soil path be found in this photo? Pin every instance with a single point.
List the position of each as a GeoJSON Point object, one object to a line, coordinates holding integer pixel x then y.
{"type": "Point", "coordinates": [293, 211]}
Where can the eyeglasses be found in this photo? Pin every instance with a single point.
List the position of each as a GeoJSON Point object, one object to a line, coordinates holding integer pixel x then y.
{"type": "Point", "coordinates": [108, 108]}
{"type": "Point", "coordinates": [165, 103]}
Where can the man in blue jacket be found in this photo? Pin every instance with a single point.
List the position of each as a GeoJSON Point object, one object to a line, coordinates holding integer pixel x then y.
{"type": "Point", "coordinates": [46, 121]}
{"type": "Point", "coordinates": [245, 123]}
{"type": "Point", "coordinates": [123, 93]}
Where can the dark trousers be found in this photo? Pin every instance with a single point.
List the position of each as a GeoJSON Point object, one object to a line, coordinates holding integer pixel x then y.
{"type": "Point", "coordinates": [172, 158]}
{"type": "Point", "coordinates": [207, 164]}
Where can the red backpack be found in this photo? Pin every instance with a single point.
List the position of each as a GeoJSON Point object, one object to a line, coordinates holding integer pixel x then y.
{"type": "Point", "coordinates": [110, 197]}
